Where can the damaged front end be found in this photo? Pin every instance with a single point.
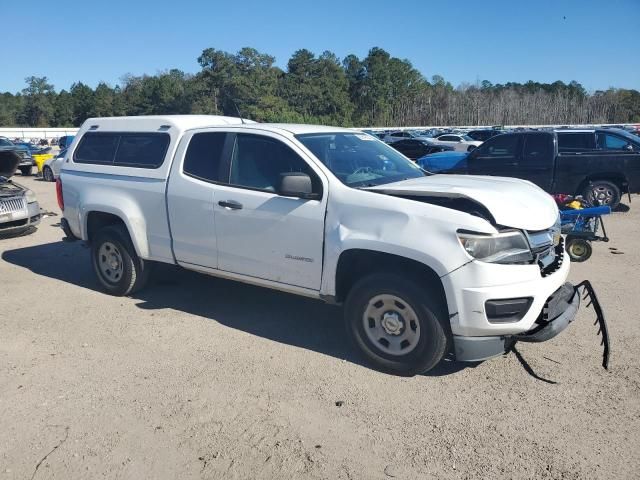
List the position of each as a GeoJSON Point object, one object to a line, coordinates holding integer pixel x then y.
{"type": "Point", "coordinates": [559, 311]}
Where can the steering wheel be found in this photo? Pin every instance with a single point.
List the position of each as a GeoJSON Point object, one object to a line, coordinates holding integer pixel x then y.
{"type": "Point", "coordinates": [363, 170]}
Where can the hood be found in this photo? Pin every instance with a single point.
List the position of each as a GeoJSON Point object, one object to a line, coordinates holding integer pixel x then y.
{"type": "Point", "coordinates": [512, 202]}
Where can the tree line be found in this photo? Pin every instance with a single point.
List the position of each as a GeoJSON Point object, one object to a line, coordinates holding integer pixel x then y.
{"type": "Point", "coordinates": [377, 90]}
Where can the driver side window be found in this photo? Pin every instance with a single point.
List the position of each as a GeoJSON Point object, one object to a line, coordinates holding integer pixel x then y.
{"type": "Point", "coordinates": [258, 163]}
{"type": "Point", "coordinates": [606, 141]}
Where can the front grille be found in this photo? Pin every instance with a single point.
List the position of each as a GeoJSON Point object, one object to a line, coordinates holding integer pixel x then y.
{"type": "Point", "coordinates": [557, 261]}
{"type": "Point", "coordinates": [13, 204]}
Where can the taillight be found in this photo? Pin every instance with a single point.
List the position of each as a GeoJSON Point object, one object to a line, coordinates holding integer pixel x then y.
{"type": "Point", "coordinates": [59, 194]}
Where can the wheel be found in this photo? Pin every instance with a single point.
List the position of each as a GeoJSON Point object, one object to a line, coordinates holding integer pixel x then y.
{"type": "Point", "coordinates": [471, 148]}
{"type": "Point", "coordinates": [115, 262]}
{"type": "Point", "coordinates": [579, 249]}
{"type": "Point", "coordinates": [25, 171]}
{"type": "Point", "coordinates": [602, 192]}
{"type": "Point", "coordinates": [397, 325]}
{"type": "Point", "coordinates": [47, 174]}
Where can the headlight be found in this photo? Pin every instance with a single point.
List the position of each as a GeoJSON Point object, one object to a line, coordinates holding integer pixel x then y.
{"type": "Point", "coordinates": [507, 247]}
{"type": "Point", "coordinates": [31, 196]}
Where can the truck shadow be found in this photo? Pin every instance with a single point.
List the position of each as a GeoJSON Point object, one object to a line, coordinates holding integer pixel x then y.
{"type": "Point", "coordinates": [281, 317]}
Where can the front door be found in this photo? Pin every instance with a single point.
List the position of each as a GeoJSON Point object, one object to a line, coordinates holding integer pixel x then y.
{"type": "Point", "coordinates": [261, 233]}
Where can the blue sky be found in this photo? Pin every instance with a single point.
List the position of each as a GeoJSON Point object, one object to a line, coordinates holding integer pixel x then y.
{"type": "Point", "coordinates": [593, 42]}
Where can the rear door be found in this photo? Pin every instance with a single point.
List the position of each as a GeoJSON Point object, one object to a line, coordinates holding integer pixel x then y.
{"type": "Point", "coordinates": [191, 194]}
{"type": "Point", "coordinates": [536, 162]}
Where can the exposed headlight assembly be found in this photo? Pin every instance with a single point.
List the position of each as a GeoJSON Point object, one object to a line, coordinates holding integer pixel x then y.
{"type": "Point", "coordinates": [506, 247]}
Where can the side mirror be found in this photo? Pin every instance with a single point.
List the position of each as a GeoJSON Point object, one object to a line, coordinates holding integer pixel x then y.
{"type": "Point", "coordinates": [296, 184]}
{"type": "Point", "coordinates": [628, 147]}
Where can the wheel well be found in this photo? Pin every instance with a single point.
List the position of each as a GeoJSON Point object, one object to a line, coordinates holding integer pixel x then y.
{"type": "Point", "coordinates": [356, 264]}
{"type": "Point", "coordinates": [616, 178]}
{"type": "Point", "coordinates": [98, 220]}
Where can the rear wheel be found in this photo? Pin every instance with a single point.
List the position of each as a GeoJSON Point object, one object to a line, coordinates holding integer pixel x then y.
{"type": "Point", "coordinates": [579, 249]}
{"type": "Point", "coordinates": [25, 171]}
{"type": "Point", "coordinates": [398, 325]}
{"type": "Point", "coordinates": [602, 192]}
{"type": "Point", "coordinates": [47, 174]}
{"type": "Point", "coordinates": [115, 262]}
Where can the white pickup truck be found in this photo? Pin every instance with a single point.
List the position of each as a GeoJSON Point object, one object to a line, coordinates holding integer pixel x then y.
{"type": "Point", "coordinates": [424, 264]}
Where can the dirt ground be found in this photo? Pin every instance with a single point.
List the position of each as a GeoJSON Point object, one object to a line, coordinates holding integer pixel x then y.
{"type": "Point", "coordinates": [197, 377]}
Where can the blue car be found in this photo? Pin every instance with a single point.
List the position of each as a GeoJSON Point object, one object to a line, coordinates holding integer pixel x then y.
{"type": "Point", "coordinates": [444, 162]}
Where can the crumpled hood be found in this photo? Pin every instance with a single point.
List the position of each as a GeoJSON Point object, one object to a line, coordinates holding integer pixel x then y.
{"type": "Point", "coordinates": [512, 202]}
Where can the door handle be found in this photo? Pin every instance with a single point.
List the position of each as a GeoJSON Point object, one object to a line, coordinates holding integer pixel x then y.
{"type": "Point", "coordinates": [231, 204]}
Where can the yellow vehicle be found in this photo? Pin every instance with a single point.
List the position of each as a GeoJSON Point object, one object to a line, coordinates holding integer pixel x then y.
{"type": "Point", "coordinates": [39, 159]}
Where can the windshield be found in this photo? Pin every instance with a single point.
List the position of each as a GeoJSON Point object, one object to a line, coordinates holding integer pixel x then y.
{"type": "Point", "coordinates": [359, 160]}
{"type": "Point", "coordinates": [5, 143]}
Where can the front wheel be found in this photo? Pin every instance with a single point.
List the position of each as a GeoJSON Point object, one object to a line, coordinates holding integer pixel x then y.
{"type": "Point", "coordinates": [579, 249]}
{"type": "Point", "coordinates": [398, 325]}
{"type": "Point", "coordinates": [47, 174]}
{"type": "Point", "coordinates": [115, 262]}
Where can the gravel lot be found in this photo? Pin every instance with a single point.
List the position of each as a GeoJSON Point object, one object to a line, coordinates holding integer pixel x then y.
{"type": "Point", "coordinates": [203, 378]}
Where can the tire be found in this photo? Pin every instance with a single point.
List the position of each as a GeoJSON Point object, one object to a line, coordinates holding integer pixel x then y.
{"type": "Point", "coordinates": [47, 174]}
{"type": "Point", "coordinates": [112, 251]}
{"type": "Point", "coordinates": [421, 341]}
{"type": "Point", "coordinates": [602, 192]}
{"type": "Point", "coordinates": [579, 249]}
{"type": "Point", "coordinates": [25, 171]}
{"type": "Point", "coordinates": [471, 148]}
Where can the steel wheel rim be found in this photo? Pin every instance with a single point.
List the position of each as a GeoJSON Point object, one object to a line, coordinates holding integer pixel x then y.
{"type": "Point", "coordinates": [602, 194]}
{"type": "Point", "coordinates": [391, 324]}
{"type": "Point", "coordinates": [578, 250]}
{"type": "Point", "coordinates": [110, 262]}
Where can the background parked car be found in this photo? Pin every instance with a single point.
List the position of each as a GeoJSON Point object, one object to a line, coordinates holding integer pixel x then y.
{"type": "Point", "coordinates": [64, 142]}
{"type": "Point", "coordinates": [599, 164]}
{"type": "Point", "coordinates": [460, 143]}
{"type": "Point", "coordinates": [483, 135]}
{"type": "Point", "coordinates": [396, 136]}
{"type": "Point", "coordinates": [51, 168]}
{"type": "Point", "coordinates": [415, 148]}
{"type": "Point", "coordinates": [26, 160]}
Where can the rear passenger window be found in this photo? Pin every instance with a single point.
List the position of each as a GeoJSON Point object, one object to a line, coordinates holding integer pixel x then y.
{"type": "Point", "coordinates": [203, 158]}
{"type": "Point", "coordinates": [97, 148]}
{"type": "Point", "coordinates": [576, 142]}
{"type": "Point", "coordinates": [145, 150]}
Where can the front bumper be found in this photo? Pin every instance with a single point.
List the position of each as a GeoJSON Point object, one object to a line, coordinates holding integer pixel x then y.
{"type": "Point", "coordinates": [559, 311]}
{"type": "Point", "coordinates": [21, 220]}
{"type": "Point", "coordinates": [469, 288]}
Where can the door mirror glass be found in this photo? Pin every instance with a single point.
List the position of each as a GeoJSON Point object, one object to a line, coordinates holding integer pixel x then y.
{"type": "Point", "coordinates": [296, 184]}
